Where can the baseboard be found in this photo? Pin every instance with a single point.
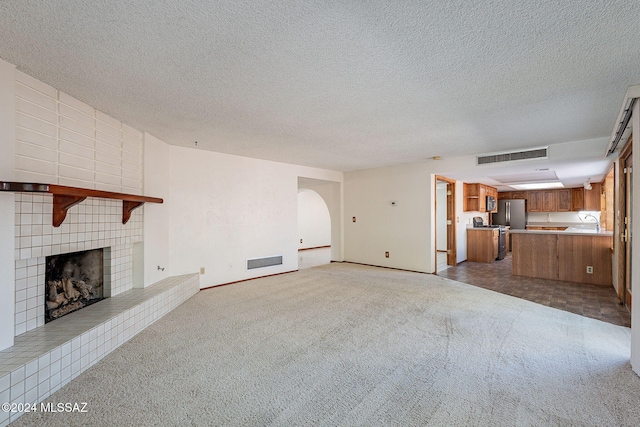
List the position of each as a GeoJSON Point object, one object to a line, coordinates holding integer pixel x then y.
{"type": "Point", "coordinates": [246, 280]}
{"type": "Point", "coordinates": [382, 266]}
{"type": "Point", "coordinates": [315, 247]}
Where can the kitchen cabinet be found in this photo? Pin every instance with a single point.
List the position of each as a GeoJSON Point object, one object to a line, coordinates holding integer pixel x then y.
{"type": "Point", "coordinates": [586, 200]}
{"type": "Point", "coordinates": [475, 197]}
{"type": "Point", "coordinates": [549, 200]}
{"type": "Point", "coordinates": [577, 199]}
{"type": "Point", "coordinates": [482, 244]}
{"type": "Point", "coordinates": [534, 201]}
{"type": "Point", "coordinates": [559, 255]}
{"type": "Point", "coordinates": [564, 200]}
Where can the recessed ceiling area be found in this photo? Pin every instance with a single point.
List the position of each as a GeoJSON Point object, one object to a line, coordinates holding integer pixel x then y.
{"type": "Point", "coordinates": [339, 85]}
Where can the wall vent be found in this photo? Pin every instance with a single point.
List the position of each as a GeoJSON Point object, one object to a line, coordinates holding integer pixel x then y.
{"type": "Point", "coordinates": [537, 153]}
{"type": "Point", "coordinates": [264, 262]}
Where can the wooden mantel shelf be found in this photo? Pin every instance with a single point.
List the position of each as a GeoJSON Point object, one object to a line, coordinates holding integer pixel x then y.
{"type": "Point", "coordinates": [65, 197]}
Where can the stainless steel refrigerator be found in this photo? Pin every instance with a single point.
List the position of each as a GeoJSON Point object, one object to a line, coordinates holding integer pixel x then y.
{"type": "Point", "coordinates": [512, 213]}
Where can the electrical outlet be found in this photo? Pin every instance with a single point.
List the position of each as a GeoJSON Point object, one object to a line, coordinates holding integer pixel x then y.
{"type": "Point", "coordinates": [201, 270]}
{"type": "Point", "coordinates": [589, 269]}
{"type": "Point", "coordinates": [386, 254]}
{"type": "Point", "coordinates": [300, 240]}
{"type": "Point", "coordinates": [353, 219]}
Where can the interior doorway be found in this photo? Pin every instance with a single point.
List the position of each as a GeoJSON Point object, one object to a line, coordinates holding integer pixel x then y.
{"type": "Point", "coordinates": [319, 222]}
{"type": "Point", "coordinates": [626, 208]}
{"type": "Point", "coordinates": [314, 230]}
{"type": "Point", "coordinates": [445, 225]}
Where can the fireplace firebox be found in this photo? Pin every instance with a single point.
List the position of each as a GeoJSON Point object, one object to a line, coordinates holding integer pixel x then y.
{"type": "Point", "coordinates": [73, 281]}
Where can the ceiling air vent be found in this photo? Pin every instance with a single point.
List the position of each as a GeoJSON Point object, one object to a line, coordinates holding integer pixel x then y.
{"type": "Point", "coordinates": [537, 153]}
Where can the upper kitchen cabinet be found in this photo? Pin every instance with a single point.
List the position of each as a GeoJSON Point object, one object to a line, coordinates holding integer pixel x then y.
{"type": "Point", "coordinates": [475, 197]}
{"type": "Point", "coordinates": [564, 200]}
{"type": "Point", "coordinates": [586, 200]}
{"type": "Point", "coordinates": [534, 201]}
{"type": "Point", "coordinates": [549, 200]}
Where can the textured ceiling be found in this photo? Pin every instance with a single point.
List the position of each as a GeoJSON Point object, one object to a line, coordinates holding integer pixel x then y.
{"type": "Point", "coordinates": [340, 85]}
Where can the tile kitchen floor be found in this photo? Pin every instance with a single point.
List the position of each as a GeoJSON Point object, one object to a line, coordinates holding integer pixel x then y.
{"type": "Point", "coordinates": [598, 302]}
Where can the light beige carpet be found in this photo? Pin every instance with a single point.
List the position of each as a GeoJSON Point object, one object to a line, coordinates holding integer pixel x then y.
{"type": "Point", "coordinates": [352, 345]}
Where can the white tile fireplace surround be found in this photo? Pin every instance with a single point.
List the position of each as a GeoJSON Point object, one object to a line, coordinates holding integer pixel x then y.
{"type": "Point", "coordinates": [95, 223]}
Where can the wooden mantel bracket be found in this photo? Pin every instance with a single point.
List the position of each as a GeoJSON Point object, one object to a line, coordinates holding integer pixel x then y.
{"type": "Point", "coordinates": [127, 207]}
{"type": "Point", "coordinates": [65, 197]}
{"type": "Point", "coordinates": [61, 204]}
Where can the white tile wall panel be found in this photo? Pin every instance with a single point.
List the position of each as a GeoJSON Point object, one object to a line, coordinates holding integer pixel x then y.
{"type": "Point", "coordinates": [35, 152]}
{"type": "Point", "coordinates": [76, 138]}
{"type": "Point", "coordinates": [36, 111]}
{"type": "Point", "coordinates": [25, 176]}
{"type": "Point", "coordinates": [115, 132]}
{"type": "Point", "coordinates": [30, 164]}
{"type": "Point", "coordinates": [36, 84]}
{"type": "Point", "coordinates": [75, 161]}
{"type": "Point", "coordinates": [35, 138]}
{"type": "Point", "coordinates": [109, 187]}
{"type": "Point", "coordinates": [108, 179]}
{"type": "Point", "coordinates": [76, 126]}
{"type": "Point", "coordinates": [130, 183]}
{"type": "Point", "coordinates": [78, 105]}
{"type": "Point", "coordinates": [38, 98]}
{"type": "Point", "coordinates": [108, 119]}
{"type": "Point", "coordinates": [77, 115]}
{"type": "Point", "coordinates": [134, 175]}
{"type": "Point", "coordinates": [29, 122]}
{"type": "Point", "coordinates": [84, 175]}
{"type": "Point", "coordinates": [108, 148]}
{"type": "Point", "coordinates": [70, 182]}
{"type": "Point", "coordinates": [105, 158]}
{"type": "Point", "coordinates": [112, 170]}
{"type": "Point", "coordinates": [131, 131]}
{"type": "Point", "coordinates": [76, 149]}
{"type": "Point", "coordinates": [132, 166]}
{"type": "Point", "coordinates": [132, 146]}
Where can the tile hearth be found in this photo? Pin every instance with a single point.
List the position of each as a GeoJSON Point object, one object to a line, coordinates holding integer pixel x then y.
{"type": "Point", "coordinates": [48, 357]}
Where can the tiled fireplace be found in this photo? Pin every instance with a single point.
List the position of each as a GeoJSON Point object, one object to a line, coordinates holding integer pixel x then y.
{"type": "Point", "coordinates": [92, 224]}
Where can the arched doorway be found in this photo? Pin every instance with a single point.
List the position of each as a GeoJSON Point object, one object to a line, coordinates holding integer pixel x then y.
{"type": "Point", "coordinates": [314, 230]}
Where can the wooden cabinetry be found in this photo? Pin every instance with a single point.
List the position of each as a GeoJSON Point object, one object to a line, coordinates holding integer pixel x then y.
{"type": "Point", "coordinates": [482, 244]}
{"type": "Point", "coordinates": [549, 200]}
{"type": "Point", "coordinates": [475, 197]}
{"type": "Point", "coordinates": [564, 200]}
{"type": "Point", "coordinates": [586, 200]}
{"type": "Point", "coordinates": [563, 257]}
{"type": "Point", "coordinates": [592, 198]}
{"type": "Point", "coordinates": [534, 201]}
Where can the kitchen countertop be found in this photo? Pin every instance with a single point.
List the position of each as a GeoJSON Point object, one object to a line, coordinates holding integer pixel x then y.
{"type": "Point", "coordinates": [574, 230]}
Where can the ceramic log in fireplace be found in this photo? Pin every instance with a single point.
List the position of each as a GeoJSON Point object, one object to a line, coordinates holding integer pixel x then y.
{"type": "Point", "coordinates": [73, 281]}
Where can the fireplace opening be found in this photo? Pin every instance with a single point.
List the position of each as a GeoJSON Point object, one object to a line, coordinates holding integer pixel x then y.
{"type": "Point", "coordinates": [73, 281]}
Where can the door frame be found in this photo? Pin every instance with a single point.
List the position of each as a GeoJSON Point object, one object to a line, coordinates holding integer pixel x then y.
{"type": "Point", "coordinates": [623, 260]}
{"type": "Point", "coordinates": [452, 254]}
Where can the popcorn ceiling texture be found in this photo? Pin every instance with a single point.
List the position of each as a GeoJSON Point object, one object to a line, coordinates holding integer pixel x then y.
{"type": "Point", "coordinates": [344, 85]}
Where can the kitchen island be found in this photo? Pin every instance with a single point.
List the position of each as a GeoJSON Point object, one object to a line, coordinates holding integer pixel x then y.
{"type": "Point", "coordinates": [575, 254]}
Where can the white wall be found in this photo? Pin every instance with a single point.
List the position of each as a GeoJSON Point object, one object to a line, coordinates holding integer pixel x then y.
{"type": "Point", "coordinates": [404, 230]}
{"type": "Point", "coordinates": [314, 221]}
{"type": "Point", "coordinates": [225, 209]}
{"type": "Point", "coordinates": [156, 216]}
{"type": "Point", "coordinates": [7, 203]}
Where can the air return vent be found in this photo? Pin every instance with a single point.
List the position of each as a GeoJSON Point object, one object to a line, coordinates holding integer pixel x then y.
{"type": "Point", "coordinates": [537, 153]}
{"type": "Point", "coordinates": [264, 262]}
